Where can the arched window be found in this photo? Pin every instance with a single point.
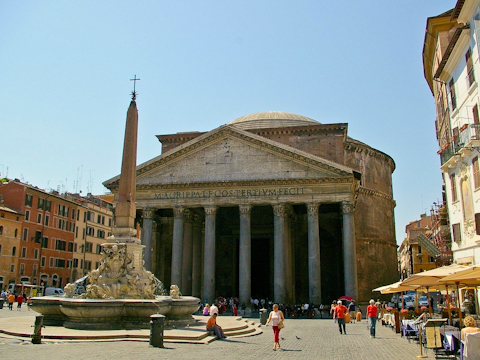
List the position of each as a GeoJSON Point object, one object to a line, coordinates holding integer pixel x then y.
{"type": "Point", "coordinates": [14, 251]}
{"type": "Point", "coordinates": [1, 230]}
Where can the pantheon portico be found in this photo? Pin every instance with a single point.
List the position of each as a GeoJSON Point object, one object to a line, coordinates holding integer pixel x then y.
{"type": "Point", "coordinates": [273, 205]}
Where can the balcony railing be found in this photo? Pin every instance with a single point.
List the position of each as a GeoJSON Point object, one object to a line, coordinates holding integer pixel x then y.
{"type": "Point", "coordinates": [468, 133]}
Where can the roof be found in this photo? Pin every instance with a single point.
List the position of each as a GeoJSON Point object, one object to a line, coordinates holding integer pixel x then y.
{"type": "Point", "coordinates": [271, 119]}
{"type": "Point", "coordinates": [425, 243]}
{"type": "Point", "coordinates": [10, 210]}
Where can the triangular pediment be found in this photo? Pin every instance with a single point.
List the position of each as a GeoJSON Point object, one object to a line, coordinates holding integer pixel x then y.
{"type": "Point", "coordinates": [230, 154]}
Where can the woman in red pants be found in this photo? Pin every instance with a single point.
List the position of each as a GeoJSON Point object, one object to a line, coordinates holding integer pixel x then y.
{"type": "Point", "coordinates": [276, 317]}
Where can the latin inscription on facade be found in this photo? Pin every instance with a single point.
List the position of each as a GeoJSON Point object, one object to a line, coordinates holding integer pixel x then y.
{"type": "Point", "coordinates": [205, 194]}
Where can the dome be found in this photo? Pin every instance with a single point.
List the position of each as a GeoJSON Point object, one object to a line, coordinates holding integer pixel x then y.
{"type": "Point", "coordinates": [271, 119]}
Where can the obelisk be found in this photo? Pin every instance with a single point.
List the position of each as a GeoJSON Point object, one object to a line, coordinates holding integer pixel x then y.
{"type": "Point", "coordinates": [125, 204]}
{"type": "Point", "coordinates": [124, 231]}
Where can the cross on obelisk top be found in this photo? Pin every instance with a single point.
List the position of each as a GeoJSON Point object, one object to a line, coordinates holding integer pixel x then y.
{"type": "Point", "coordinates": [134, 93]}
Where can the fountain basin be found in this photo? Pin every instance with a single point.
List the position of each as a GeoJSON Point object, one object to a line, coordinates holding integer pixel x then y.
{"type": "Point", "coordinates": [99, 314]}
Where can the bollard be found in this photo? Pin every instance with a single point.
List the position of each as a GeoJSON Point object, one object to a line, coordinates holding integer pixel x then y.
{"type": "Point", "coordinates": [37, 331]}
{"type": "Point", "coordinates": [157, 324]}
{"type": "Point", "coordinates": [263, 316]}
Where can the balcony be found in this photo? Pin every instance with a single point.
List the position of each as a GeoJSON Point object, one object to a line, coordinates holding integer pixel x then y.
{"type": "Point", "coordinates": [468, 138]}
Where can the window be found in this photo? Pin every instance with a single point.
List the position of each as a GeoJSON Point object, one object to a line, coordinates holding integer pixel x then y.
{"type": "Point", "coordinates": [1, 230]}
{"type": "Point", "coordinates": [70, 246]}
{"type": "Point", "coordinates": [60, 245]}
{"type": "Point", "coordinates": [477, 223]}
{"type": "Point", "coordinates": [419, 249]}
{"type": "Point", "coordinates": [25, 234]}
{"type": "Point", "coordinates": [27, 215]}
{"type": "Point", "coordinates": [453, 98]}
{"type": "Point", "coordinates": [476, 174]}
{"type": "Point", "coordinates": [38, 236]}
{"type": "Point", "coordinates": [12, 268]}
{"type": "Point", "coordinates": [456, 233]}
{"type": "Point", "coordinates": [69, 264]}
{"type": "Point", "coordinates": [453, 187]}
{"type": "Point", "coordinates": [41, 203]}
{"type": "Point", "coordinates": [45, 242]}
{"type": "Point", "coordinates": [73, 214]}
{"type": "Point", "coordinates": [43, 261]}
{"type": "Point", "coordinates": [2, 215]}
{"type": "Point", "coordinates": [39, 218]}
{"type": "Point", "coordinates": [24, 252]}
{"type": "Point", "coordinates": [14, 251]}
{"type": "Point", "coordinates": [51, 261]}
{"type": "Point", "coordinates": [76, 231]}
{"type": "Point", "coordinates": [60, 263]}
{"type": "Point", "coordinates": [100, 234]}
{"type": "Point", "coordinates": [48, 205]}
{"type": "Point", "coordinates": [47, 220]}
{"type": "Point", "coordinates": [34, 273]}
{"type": "Point", "coordinates": [88, 247]}
{"type": "Point", "coordinates": [420, 259]}
{"type": "Point", "coordinates": [75, 263]}
{"type": "Point", "coordinates": [35, 253]}
{"type": "Point", "coordinates": [0, 249]}
{"type": "Point", "coordinates": [90, 231]}
{"type": "Point", "coordinates": [28, 200]}
{"type": "Point", "coordinates": [475, 114]}
{"type": "Point", "coordinates": [431, 259]}
{"type": "Point", "coordinates": [99, 249]}
{"type": "Point", "coordinates": [88, 265]}
{"type": "Point", "coordinates": [15, 233]}
{"type": "Point", "coordinates": [22, 269]}
{"type": "Point", "coordinates": [110, 222]}
{"type": "Point", "coordinates": [471, 74]}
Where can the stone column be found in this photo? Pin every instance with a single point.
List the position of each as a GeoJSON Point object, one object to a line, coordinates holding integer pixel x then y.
{"type": "Point", "coordinates": [197, 256]}
{"type": "Point", "coordinates": [289, 256]}
{"type": "Point", "coordinates": [187, 253]}
{"type": "Point", "coordinates": [209, 254]}
{"type": "Point", "coordinates": [349, 251]}
{"type": "Point", "coordinates": [314, 275]}
{"type": "Point", "coordinates": [245, 256]}
{"type": "Point", "coordinates": [147, 233]}
{"type": "Point", "coordinates": [279, 243]}
{"type": "Point", "coordinates": [177, 246]}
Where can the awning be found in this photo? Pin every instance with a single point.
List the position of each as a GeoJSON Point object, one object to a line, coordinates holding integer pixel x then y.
{"type": "Point", "coordinates": [469, 276]}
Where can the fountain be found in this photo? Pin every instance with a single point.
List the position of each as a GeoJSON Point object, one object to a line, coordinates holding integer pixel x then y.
{"type": "Point", "coordinates": [122, 294]}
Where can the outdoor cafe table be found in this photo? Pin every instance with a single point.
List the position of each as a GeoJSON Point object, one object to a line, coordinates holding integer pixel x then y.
{"type": "Point", "coordinates": [389, 319]}
{"type": "Point", "coordinates": [409, 328]}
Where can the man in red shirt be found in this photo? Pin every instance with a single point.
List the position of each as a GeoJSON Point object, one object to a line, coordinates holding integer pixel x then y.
{"type": "Point", "coordinates": [340, 311]}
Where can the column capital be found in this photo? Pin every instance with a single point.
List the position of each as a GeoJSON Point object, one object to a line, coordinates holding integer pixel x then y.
{"type": "Point", "coordinates": [312, 209]}
{"type": "Point", "coordinates": [148, 213]}
{"type": "Point", "coordinates": [347, 207]}
{"type": "Point", "coordinates": [210, 210]}
{"type": "Point", "coordinates": [245, 209]}
{"type": "Point", "coordinates": [178, 212]}
{"type": "Point", "coordinates": [188, 215]}
{"type": "Point", "coordinates": [279, 209]}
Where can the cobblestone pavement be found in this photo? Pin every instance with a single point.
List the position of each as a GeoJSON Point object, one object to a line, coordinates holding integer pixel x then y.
{"type": "Point", "coordinates": [301, 339]}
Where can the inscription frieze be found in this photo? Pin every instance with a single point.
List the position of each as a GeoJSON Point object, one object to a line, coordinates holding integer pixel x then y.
{"type": "Point", "coordinates": [245, 193]}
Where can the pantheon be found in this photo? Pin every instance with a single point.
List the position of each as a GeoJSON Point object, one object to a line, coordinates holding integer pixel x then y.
{"type": "Point", "coordinates": [270, 205]}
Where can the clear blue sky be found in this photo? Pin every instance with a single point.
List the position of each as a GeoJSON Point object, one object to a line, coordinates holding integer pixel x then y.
{"type": "Point", "coordinates": [65, 69]}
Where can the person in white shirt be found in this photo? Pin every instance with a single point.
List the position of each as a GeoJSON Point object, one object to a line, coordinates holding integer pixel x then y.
{"type": "Point", "coordinates": [213, 309]}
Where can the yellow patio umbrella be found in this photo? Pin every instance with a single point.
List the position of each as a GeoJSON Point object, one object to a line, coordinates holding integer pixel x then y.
{"type": "Point", "coordinates": [469, 277]}
{"type": "Point", "coordinates": [384, 287]}
{"type": "Point", "coordinates": [429, 279]}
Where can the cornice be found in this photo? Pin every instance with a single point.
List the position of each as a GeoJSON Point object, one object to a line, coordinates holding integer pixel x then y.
{"type": "Point", "coordinates": [313, 129]}
{"type": "Point", "coordinates": [363, 148]}
{"type": "Point", "coordinates": [376, 193]}
{"type": "Point", "coordinates": [246, 183]}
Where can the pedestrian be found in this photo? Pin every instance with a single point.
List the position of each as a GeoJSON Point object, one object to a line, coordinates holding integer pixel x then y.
{"type": "Point", "coordinates": [351, 310]}
{"type": "Point", "coordinates": [277, 319]}
{"type": "Point", "coordinates": [11, 300]}
{"type": "Point", "coordinates": [29, 302]}
{"type": "Point", "coordinates": [340, 311]}
{"type": "Point", "coordinates": [206, 310]}
{"type": "Point", "coordinates": [212, 326]}
{"type": "Point", "coordinates": [332, 311]}
{"type": "Point", "coordinates": [213, 309]}
{"type": "Point", "coordinates": [19, 302]}
{"type": "Point", "coordinates": [372, 311]}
